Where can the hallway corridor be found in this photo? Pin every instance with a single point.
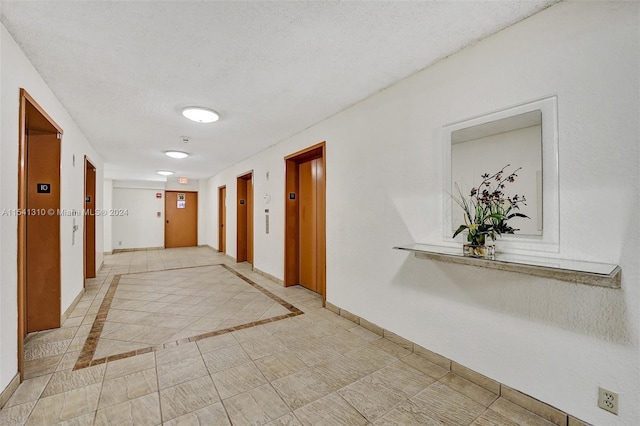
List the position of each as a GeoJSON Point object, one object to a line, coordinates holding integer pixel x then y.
{"type": "Point", "coordinates": [186, 336]}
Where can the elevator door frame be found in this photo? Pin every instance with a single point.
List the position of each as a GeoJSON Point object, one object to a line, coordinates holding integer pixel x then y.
{"type": "Point", "coordinates": [291, 240]}
{"type": "Point", "coordinates": [31, 117]}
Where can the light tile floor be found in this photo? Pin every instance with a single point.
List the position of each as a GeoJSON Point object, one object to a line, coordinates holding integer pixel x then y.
{"type": "Point", "coordinates": [311, 368]}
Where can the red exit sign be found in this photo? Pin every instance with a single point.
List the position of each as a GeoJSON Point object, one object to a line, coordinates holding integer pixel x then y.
{"type": "Point", "coordinates": [183, 180]}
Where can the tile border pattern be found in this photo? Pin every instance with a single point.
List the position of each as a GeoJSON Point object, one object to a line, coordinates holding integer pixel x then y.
{"type": "Point", "coordinates": [523, 400]}
{"type": "Point", "coordinates": [85, 359]}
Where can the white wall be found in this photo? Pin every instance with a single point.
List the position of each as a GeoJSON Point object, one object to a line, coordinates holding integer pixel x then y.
{"type": "Point", "coordinates": [17, 72]}
{"type": "Point", "coordinates": [108, 222]}
{"type": "Point", "coordinates": [140, 227]}
{"type": "Point", "coordinates": [553, 340]}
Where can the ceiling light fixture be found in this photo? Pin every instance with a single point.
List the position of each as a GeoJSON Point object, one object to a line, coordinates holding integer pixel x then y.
{"type": "Point", "coordinates": [176, 154]}
{"type": "Point", "coordinates": [165, 172]}
{"type": "Point", "coordinates": [200, 114]}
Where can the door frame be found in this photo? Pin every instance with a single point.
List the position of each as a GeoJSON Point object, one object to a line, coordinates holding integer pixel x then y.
{"type": "Point", "coordinates": [244, 234]}
{"type": "Point", "coordinates": [87, 218]}
{"type": "Point", "coordinates": [25, 99]}
{"type": "Point", "coordinates": [222, 209]}
{"type": "Point", "coordinates": [291, 233]}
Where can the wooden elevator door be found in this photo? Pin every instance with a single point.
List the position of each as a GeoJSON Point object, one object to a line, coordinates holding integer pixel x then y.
{"type": "Point", "coordinates": [308, 181]}
{"type": "Point", "coordinates": [43, 232]}
{"type": "Point", "coordinates": [90, 220]}
{"type": "Point", "coordinates": [222, 219]}
{"type": "Point", "coordinates": [181, 219]}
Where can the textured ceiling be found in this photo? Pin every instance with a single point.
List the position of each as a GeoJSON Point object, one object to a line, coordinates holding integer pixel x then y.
{"type": "Point", "coordinates": [124, 70]}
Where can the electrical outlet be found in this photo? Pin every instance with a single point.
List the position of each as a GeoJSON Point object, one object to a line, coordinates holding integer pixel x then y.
{"type": "Point", "coordinates": [608, 400]}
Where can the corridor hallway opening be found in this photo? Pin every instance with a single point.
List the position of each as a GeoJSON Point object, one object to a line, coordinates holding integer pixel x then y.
{"type": "Point", "coordinates": [181, 336]}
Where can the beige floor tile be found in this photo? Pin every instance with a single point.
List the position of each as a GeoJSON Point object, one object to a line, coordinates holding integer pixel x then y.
{"type": "Point", "coordinates": [64, 381]}
{"type": "Point", "coordinates": [205, 324]}
{"type": "Point", "coordinates": [492, 418]}
{"type": "Point", "coordinates": [46, 349]}
{"type": "Point", "coordinates": [72, 322]}
{"type": "Point", "coordinates": [403, 378]}
{"type": "Point", "coordinates": [409, 414]}
{"type": "Point", "coordinates": [65, 406]}
{"type": "Point", "coordinates": [372, 397]}
{"type": "Point", "coordinates": [371, 357]}
{"type": "Point", "coordinates": [280, 365]}
{"type": "Point", "coordinates": [392, 348]}
{"type": "Point", "coordinates": [301, 388]}
{"type": "Point", "coordinates": [131, 386]}
{"type": "Point", "coordinates": [16, 414]}
{"type": "Point", "coordinates": [286, 420]}
{"type": "Point", "coordinates": [217, 342]}
{"type": "Point", "coordinates": [365, 334]}
{"type": "Point", "coordinates": [123, 367]}
{"type": "Point", "coordinates": [84, 420]}
{"type": "Point", "coordinates": [330, 410]}
{"type": "Point", "coordinates": [181, 371]}
{"type": "Point", "coordinates": [50, 336]}
{"type": "Point", "coordinates": [263, 346]}
{"type": "Point", "coordinates": [224, 358]}
{"type": "Point", "coordinates": [167, 320]}
{"type": "Point", "coordinates": [258, 406]}
{"type": "Point", "coordinates": [68, 361]}
{"type": "Point", "coordinates": [187, 397]}
{"type": "Point", "coordinates": [213, 414]}
{"type": "Point", "coordinates": [177, 353]}
{"type": "Point", "coordinates": [144, 410]}
{"type": "Point", "coordinates": [448, 405]}
{"type": "Point", "coordinates": [236, 380]}
{"type": "Point", "coordinates": [126, 316]}
{"type": "Point", "coordinates": [29, 390]}
{"type": "Point", "coordinates": [427, 367]}
{"type": "Point", "coordinates": [340, 372]}
{"type": "Point", "coordinates": [39, 367]}
{"type": "Point", "coordinates": [517, 414]}
{"type": "Point", "coordinates": [469, 389]}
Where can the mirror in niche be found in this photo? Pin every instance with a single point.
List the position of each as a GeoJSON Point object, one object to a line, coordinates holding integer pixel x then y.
{"type": "Point", "coordinates": [523, 136]}
{"type": "Point", "coordinates": [489, 147]}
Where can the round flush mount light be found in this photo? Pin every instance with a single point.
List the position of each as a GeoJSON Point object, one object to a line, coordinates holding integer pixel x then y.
{"type": "Point", "coordinates": [200, 114]}
{"type": "Point", "coordinates": [165, 172]}
{"type": "Point", "coordinates": [176, 154]}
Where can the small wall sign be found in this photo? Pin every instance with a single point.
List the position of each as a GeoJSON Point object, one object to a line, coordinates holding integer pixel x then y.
{"type": "Point", "coordinates": [44, 188]}
{"type": "Point", "coordinates": [158, 194]}
{"type": "Point", "coordinates": [182, 204]}
{"type": "Point", "coordinates": [181, 196]}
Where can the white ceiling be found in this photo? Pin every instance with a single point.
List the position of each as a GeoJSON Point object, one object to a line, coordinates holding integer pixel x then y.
{"type": "Point", "coordinates": [124, 70]}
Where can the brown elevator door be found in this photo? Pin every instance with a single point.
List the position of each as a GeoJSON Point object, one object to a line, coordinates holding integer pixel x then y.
{"type": "Point", "coordinates": [181, 214]}
{"type": "Point", "coordinates": [43, 232]}
{"type": "Point", "coordinates": [308, 234]}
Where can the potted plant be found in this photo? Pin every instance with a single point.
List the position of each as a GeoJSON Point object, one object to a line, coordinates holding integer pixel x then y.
{"type": "Point", "coordinates": [487, 211]}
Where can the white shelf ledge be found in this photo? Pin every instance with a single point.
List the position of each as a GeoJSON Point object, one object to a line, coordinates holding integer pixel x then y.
{"type": "Point", "coordinates": [591, 273]}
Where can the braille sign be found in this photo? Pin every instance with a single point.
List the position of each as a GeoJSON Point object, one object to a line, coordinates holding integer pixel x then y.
{"type": "Point", "coordinates": [44, 188]}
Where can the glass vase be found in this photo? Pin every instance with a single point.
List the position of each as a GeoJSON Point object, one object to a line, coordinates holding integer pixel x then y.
{"type": "Point", "coordinates": [483, 251]}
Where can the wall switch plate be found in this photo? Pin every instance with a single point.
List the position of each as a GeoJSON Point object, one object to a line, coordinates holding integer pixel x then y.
{"type": "Point", "coordinates": [608, 400]}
